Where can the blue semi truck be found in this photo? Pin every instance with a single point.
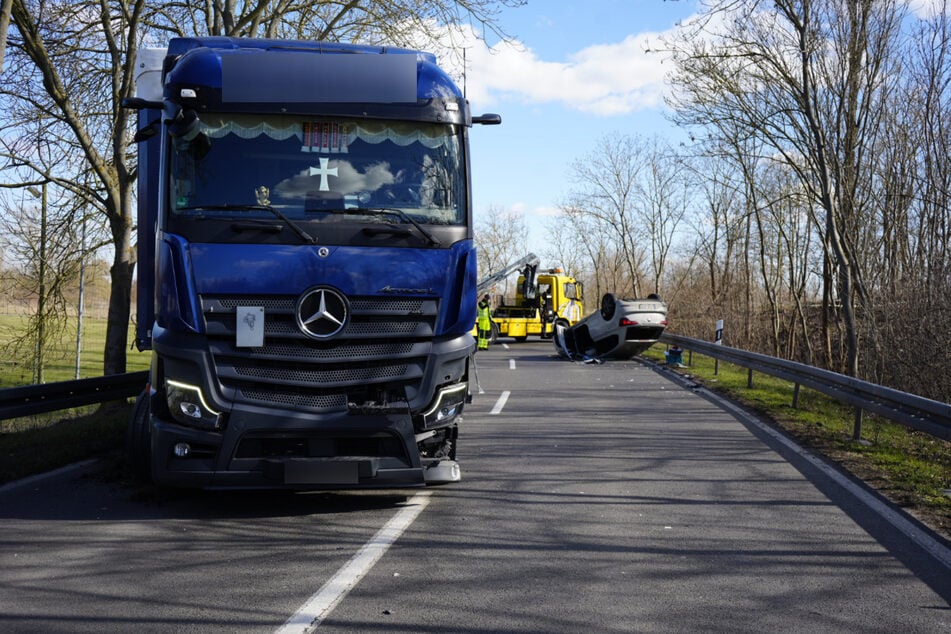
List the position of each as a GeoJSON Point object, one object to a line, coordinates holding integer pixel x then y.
{"type": "Point", "coordinates": [307, 274]}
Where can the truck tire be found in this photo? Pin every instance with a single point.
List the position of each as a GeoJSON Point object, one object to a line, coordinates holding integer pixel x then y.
{"type": "Point", "coordinates": [139, 439]}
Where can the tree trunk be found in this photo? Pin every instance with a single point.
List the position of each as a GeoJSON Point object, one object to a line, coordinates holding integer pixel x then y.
{"type": "Point", "coordinates": [120, 303]}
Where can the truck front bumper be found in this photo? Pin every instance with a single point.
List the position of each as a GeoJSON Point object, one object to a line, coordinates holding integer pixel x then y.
{"type": "Point", "coordinates": [288, 450]}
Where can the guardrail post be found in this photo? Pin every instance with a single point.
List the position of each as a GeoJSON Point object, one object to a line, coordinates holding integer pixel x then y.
{"type": "Point", "coordinates": [795, 397]}
{"type": "Point", "coordinates": [857, 428]}
{"type": "Point", "coordinates": [749, 377]}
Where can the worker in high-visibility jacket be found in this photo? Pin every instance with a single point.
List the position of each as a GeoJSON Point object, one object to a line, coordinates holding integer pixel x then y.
{"type": "Point", "coordinates": [484, 322]}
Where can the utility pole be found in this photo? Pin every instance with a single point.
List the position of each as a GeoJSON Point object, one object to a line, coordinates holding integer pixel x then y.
{"type": "Point", "coordinates": [41, 301]}
{"type": "Point", "coordinates": [80, 304]}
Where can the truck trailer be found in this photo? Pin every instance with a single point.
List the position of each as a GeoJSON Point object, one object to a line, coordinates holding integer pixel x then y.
{"type": "Point", "coordinates": [307, 274]}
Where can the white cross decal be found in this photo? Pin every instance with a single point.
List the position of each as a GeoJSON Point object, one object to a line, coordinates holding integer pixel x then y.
{"type": "Point", "coordinates": [323, 171]}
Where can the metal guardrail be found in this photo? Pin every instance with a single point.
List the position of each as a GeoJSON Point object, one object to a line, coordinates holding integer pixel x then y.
{"type": "Point", "coordinates": [50, 397]}
{"type": "Point", "coordinates": [917, 412]}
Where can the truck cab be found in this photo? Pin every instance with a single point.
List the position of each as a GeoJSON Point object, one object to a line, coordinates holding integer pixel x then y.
{"type": "Point", "coordinates": [307, 271]}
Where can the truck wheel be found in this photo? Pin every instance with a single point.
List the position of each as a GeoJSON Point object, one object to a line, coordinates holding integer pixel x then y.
{"type": "Point", "coordinates": [139, 439]}
{"type": "Point", "coordinates": [494, 333]}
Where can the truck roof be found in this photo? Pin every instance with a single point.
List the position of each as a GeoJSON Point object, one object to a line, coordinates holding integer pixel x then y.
{"type": "Point", "coordinates": [241, 73]}
{"type": "Point", "coordinates": [179, 45]}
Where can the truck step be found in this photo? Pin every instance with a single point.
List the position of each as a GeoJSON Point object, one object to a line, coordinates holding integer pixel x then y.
{"type": "Point", "coordinates": [442, 472]}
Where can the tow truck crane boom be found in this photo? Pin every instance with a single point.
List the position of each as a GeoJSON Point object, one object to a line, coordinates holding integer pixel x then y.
{"type": "Point", "coordinates": [530, 260]}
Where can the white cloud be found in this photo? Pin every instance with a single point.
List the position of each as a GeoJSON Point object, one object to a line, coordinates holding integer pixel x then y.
{"type": "Point", "coordinates": [604, 79]}
{"type": "Point", "coordinates": [925, 9]}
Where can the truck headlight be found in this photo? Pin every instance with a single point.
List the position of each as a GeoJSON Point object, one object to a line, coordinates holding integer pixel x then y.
{"type": "Point", "coordinates": [446, 406]}
{"type": "Point", "coordinates": [187, 405]}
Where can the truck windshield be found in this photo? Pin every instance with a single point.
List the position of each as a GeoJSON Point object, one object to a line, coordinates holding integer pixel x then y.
{"type": "Point", "coordinates": [313, 169]}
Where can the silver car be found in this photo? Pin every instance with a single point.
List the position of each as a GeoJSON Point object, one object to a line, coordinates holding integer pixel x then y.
{"type": "Point", "coordinates": [620, 330]}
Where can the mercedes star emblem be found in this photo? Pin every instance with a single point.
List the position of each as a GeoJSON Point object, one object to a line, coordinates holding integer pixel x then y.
{"type": "Point", "coordinates": [321, 312]}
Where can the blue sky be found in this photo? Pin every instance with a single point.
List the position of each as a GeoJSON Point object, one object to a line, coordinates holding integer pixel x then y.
{"type": "Point", "coordinates": [579, 71]}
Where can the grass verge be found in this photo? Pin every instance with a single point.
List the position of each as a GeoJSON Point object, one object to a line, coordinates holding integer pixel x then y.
{"type": "Point", "coordinates": [41, 444]}
{"type": "Point", "coordinates": [911, 468]}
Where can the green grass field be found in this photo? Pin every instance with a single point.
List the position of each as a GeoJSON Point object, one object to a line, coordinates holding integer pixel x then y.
{"type": "Point", "coordinates": [16, 367]}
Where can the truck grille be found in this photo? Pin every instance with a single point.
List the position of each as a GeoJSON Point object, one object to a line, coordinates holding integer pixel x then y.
{"type": "Point", "coordinates": [380, 353]}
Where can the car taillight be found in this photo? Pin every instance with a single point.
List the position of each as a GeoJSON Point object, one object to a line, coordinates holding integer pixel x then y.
{"type": "Point", "coordinates": [626, 322]}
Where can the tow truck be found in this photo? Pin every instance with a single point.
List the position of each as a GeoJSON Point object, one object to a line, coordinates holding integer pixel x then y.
{"type": "Point", "coordinates": [541, 301]}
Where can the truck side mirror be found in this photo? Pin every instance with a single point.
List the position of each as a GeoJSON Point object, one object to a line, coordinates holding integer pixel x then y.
{"type": "Point", "coordinates": [147, 132]}
{"type": "Point", "coordinates": [487, 119]}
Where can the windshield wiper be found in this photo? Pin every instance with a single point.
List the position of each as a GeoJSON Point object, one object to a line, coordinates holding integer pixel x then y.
{"type": "Point", "coordinates": [290, 223]}
{"type": "Point", "coordinates": [391, 211]}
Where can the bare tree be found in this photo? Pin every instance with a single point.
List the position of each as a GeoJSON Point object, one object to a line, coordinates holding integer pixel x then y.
{"type": "Point", "coordinates": [718, 229]}
{"type": "Point", "coordinates": [808, 79]}
{"type": "Point", "coordinates": [603, 269]}
{"type": "Point", "coordinates": [5, 7]}
{"type": "Point", "coordinates": [40, 237]}
{"type": "Point", "coordinates": [501, 238]}
{"type": "Point", "coordinates": [630, 197]}
{"type": "Point", "coordinates": [71, 64]}
{"type": "Point", "coordinates": [370, 22]}
{"type": "Point", "coordinates": [606, 189]}
{"type": "Point", "coordinates": [565, 248]}
{"type": "Point", "coordinates": [663, 202]}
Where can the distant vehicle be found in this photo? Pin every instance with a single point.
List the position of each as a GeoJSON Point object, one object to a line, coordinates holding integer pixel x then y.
{"type": "Point", "coordinates": [541, 301]}
{"type": "Point", "coordinates": [620, 330]}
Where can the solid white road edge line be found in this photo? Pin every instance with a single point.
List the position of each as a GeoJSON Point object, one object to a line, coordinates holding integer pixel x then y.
{"type": "Point", "coordinates": [499, 404]}
{"type": "Point", "coordinates": [322, 603]}
{"type": "Point", "coordinates": [924, 541]}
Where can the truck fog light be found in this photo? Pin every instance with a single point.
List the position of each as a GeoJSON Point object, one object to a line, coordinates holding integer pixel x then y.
{"type": "Point", "coordinates": [446, 406]}
{"type": "Point", "coordinates": [181, 449]}
{"type": "Point", "coordinates": [188, 406]}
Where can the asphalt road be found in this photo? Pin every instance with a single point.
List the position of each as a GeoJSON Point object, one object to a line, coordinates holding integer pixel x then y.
{"type": "Point", "coordinates": [595, 498]}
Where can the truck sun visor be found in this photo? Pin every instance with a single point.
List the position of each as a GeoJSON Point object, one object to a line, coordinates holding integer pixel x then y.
{"type": "Point", "coordinates": [293, 77]}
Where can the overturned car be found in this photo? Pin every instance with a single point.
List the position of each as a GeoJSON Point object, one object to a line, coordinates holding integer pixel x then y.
{"type": "Point", "coordinates": [620, 330]}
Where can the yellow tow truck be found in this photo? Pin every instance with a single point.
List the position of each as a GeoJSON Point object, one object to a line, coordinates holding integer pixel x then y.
{"type": "Point", "coordinates": [541, 300]}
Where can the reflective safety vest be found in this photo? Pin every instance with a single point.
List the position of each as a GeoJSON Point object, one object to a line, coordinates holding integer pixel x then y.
{"type": "Point", "coordinates": [570, 310]}
{"type": "Point", "coordinates": [485, 316]}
